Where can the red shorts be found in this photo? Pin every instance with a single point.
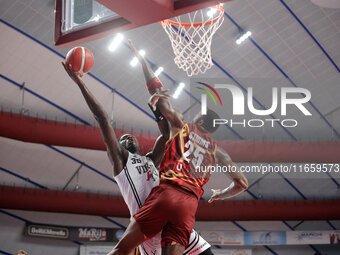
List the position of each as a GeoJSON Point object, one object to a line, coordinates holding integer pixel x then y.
{"type": "Point", "coordinates": [169, 209]}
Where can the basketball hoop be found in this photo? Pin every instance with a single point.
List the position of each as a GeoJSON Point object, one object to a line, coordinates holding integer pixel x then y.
{"type": "Point", "coordinates": [191, 41]}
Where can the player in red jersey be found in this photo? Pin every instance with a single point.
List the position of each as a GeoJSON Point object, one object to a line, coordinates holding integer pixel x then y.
{"type": "Point", "coordinates": [191, 151]}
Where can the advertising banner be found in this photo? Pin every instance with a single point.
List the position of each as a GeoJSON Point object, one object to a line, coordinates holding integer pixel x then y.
{"type": "Point", "coordinates": [232, 252]}
{"type": "Point", "coordinates": [313, 237]}
{"type": "Point", "coordinates": [47, 231]}
{"type": "Point", "coordinates": [251, 238]}
{"type": "Point", "coordinates": [227, 238]}
{"type": "Point", "coordinates": [223, 237]}
{"type": "Point", "coordinates": [81, 234]}
{"type": "Point", "coordinates": [265, 238]}
{"type": "Point", "coordinates": [94, 250]}
{"type": "Point", "coordinates": [103, 250]}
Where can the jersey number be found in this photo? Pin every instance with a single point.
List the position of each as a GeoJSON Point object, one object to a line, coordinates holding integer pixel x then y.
{"type": "Point", "coordinates": [135, 160]}
{"type": "Point", "coordinates": [198, 155]}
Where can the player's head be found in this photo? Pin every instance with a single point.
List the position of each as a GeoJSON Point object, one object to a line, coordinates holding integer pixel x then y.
{"type": "Point", "coordinates": [129, 142]}
{"type": "Point", "coordinates": [206, 122]}
{"type": "Point", "coordinates": [21, 252]}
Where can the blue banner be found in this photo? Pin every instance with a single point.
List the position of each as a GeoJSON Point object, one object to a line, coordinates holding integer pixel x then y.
{"type": "Point", "coordinates": [265, 238]}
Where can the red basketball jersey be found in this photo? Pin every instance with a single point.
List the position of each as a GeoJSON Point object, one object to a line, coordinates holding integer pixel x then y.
{"type": "Point", "coordinates": [187, 159]}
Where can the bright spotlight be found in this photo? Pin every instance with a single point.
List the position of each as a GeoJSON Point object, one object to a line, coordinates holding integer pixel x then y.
{"type": "Point", "coordinates": [178, 90]}
{"type": "Point", "coordinates": [243, 37]}
{"type": "Point", "coordinates": [159, 71]}
{"type": "Point", "coordinates": [115, 42]}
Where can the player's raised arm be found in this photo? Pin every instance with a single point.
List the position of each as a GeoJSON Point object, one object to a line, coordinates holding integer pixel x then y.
{"type": "Point", "coordinates": [240, 182]}
{"type": "Point", "coordinates": [147, 70]}
{"type": "Point", "coordinates": [159, 147]}
{"type": "Point", "coordinates": [117, 154]}
{"type": "Point", "coordinates": [161, 101]}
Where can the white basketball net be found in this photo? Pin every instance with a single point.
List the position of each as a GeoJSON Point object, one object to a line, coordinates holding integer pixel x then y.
{"type": "Point", "coordinates": [191, 41]}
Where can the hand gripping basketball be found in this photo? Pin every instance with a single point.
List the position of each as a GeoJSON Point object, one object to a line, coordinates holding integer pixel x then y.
{"type": "Point", "coordinates": [81, 59]}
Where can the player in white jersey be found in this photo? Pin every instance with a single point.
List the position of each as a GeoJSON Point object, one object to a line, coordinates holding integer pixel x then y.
{"type": "Point", "coordinates": [136, 175]}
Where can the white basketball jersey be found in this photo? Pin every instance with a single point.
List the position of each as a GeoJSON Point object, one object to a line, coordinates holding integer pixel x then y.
{"type": "Point", "coordinates": [135, 182]}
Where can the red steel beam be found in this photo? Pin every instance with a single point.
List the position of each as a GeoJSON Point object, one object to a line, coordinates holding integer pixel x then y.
{"type": "Point", "coordinates": [35, 130]}
{"type": "Point", "coordinates": [108, 205]}
{"type": "Point", "coordinates": [29, 129]}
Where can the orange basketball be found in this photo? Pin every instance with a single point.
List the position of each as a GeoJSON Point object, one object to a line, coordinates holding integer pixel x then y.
{"type": "Point", "coordinates": [81, 59]}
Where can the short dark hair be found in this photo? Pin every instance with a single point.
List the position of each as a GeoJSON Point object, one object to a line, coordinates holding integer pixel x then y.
{"type": "Point", "coordinates": [122, 136]}
{"type": "Point", "coordinates": [208, 120]}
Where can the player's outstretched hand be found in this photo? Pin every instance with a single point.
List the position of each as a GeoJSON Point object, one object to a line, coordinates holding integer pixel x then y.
{"type": "Point", "coordinates": [76, 77]}
{"type": "Point", "coordinates": [158, 95]}
{"type": "Point", "coordinates": [215, 196]}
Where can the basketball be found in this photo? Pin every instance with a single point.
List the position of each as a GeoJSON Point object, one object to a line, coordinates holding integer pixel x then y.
{"type": "Point", "coordinates": [81, 59]}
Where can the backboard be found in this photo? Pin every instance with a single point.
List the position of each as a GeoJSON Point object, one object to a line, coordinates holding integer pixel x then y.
{"type": "Point", "coordinates": [79, 21]}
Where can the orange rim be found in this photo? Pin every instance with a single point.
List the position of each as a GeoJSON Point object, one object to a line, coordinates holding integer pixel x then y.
{"type": "Point", "coordinates": [200, 24]}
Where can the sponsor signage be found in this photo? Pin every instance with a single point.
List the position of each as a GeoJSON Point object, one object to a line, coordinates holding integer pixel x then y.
{"type": "Point", "coordinates": [104, 250]}
{"type": "Point", "coordinates": [254, 238]}
{"type": "Point", "coordinates": [232, 252]}
{"type": "Point", "coordinates": [265, 238]}
{"type": "Point", "coordinates": [223, 237]}
{"type": "Point", "coordinates": [94, 250]}
{"type": "Point", "coordinates": [231, 238]}
{"type": "Point", "coordinates": [81, 234]}
{"type": "Point", "coordinates": [213, 237]}
{"type": "Point", "coordinates": [47, 231]}
{"type": "Point", "coordinates": [313, 237]}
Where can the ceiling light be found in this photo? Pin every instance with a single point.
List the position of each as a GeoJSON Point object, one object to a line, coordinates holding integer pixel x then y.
{"type": "Point", "coordinates": [243, 37]}
{"type": "Point", "coordinates": [159, 71]}
{"type": "Point", "coordinates": [116, 41]}
{"type": "Point", "coordinates": [134, 61]}
{"type": "Point", "coordinates": [211, 12]}
{"type": "Point", "coordinates": [178, 90]}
